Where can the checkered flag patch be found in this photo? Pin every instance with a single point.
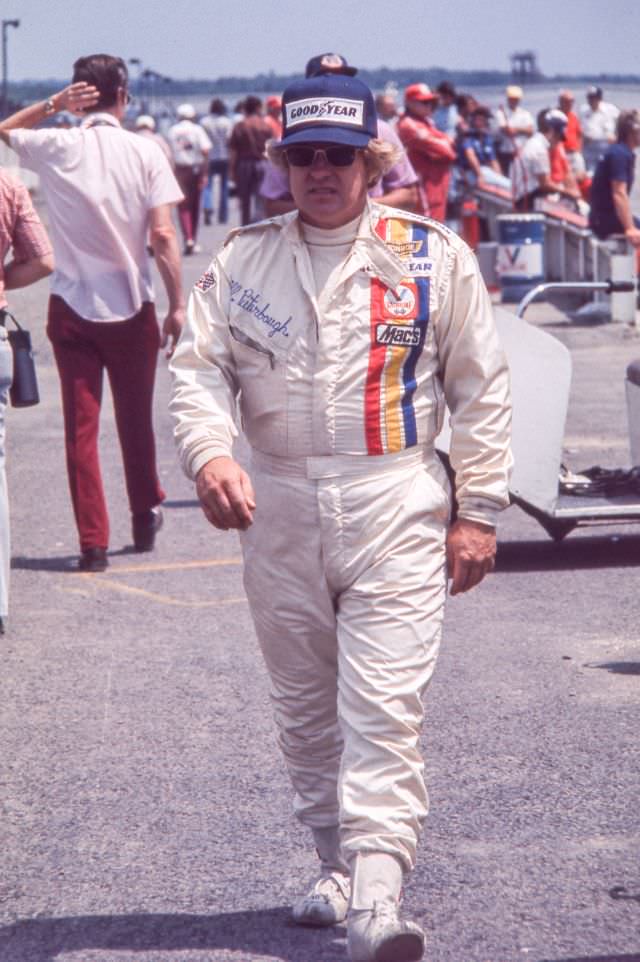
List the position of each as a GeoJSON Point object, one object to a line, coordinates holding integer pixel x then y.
{"type": "Point", "coordinates": [207, 280]}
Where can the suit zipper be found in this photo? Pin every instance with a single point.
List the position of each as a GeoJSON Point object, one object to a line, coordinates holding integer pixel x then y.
{"type": "Point", "coordinates": [243, 338]}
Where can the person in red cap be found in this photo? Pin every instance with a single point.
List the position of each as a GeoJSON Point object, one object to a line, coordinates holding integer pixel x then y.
{"type": "Point", "coordinates": [273, 115]}
{"type": "Point", "coordinates": [431, 151]}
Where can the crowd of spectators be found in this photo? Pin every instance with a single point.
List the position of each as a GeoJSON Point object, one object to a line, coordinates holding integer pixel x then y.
{"type": "Point", "coordinates": [450, 143]}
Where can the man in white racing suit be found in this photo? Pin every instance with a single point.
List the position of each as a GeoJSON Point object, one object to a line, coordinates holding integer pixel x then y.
{"type": "Point", "coordinates": [341, 329]}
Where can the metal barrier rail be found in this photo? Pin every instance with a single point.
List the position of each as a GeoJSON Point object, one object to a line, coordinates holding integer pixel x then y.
{"type": "Point", "coordinates": [606, 287]}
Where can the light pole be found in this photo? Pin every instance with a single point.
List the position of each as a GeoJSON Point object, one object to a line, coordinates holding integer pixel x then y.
{"type": "Point", "coordinates": [135, 81]}
{"type": "Point", "coordinates": [151, 76]}
{"type": "Point", "coordinates": [5, 25]}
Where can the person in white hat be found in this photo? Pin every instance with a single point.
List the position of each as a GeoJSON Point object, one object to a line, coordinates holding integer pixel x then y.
{"type": "Point", "coordinates": [190, 148]}
{"type": "Point", "coordinates": [598, 118]}
{"type": "Point", "coordinates": [515, 126]}
{"type": "Point", "coordinates": [146, 126]}
{"type": "Point", "coordinates": [531, 172]}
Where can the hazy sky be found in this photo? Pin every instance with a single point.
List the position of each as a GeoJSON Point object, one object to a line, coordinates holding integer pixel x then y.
{"type": "Point", "coordinates": [210, 38]}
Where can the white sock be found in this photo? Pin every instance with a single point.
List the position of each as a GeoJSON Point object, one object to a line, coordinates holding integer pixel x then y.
{"type": "Point", "coordinates": [374, 876]}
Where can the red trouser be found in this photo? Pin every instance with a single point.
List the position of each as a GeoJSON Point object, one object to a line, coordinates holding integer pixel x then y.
{"type": "Point", "coordinates": [128, 350]}
{"type": "Point", "coordinates": [191, 185]}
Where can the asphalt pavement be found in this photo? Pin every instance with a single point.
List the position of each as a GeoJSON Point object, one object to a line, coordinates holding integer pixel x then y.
{"type": "Point", "coordinates": [146, 813]}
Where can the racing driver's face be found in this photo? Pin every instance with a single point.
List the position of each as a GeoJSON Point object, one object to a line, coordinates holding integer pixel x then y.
{"type": "Point", "coordinates": [328, 183]}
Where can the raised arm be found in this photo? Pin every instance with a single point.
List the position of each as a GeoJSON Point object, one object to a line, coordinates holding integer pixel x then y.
{"type": "Point", "coordinates": [76, 98]}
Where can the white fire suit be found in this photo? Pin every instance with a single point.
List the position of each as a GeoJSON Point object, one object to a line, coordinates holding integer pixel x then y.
{"type": "Point", "coordinates": [341, 399]}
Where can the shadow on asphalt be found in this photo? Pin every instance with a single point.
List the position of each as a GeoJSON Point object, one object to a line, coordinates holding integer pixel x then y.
{"type": "Point", "coordinates": [268, 932]}
{"type": "Point", "coordinates": [634, 957]}
{"type": "Point", "coordinates": [61, 563]}
{"type": "Point", "coordinates": [185, 503]}
{"type": "Point", "coordinates": [618, 668]}
{"type": "Point", "coordinates": [620, 892]}
{"type": "Point", "coordinates": [67, 562]}
{"type": "Point", "coordinates": [620, 551]}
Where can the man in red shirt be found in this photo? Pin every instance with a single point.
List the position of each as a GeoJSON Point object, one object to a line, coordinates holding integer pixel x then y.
{"type": "Point", "coordinates": [431, 152]}
{"type": "Point", "coordinates": [573, 133]}
{"type": "Point", "coordinates": [273, 115]}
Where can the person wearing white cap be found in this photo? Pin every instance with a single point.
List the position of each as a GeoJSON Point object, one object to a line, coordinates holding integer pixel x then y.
{"type": "Point", "coordinates": [146, 126]}
{"type": "Point", "coordinates": [190, 148]}
{"type": "Point", "coordinates": [531, 173]}
{"type": "Point", "coordinates": [338, 330]}
{"type": "Point", "coordinates": [515, 126]}
{"type": "Point", "coordinates": [598, 118]}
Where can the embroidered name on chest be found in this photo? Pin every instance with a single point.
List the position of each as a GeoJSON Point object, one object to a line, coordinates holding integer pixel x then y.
{"type": "Point", "coordinates": [253, 302]}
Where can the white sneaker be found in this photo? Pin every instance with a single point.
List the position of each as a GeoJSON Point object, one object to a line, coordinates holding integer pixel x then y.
{"type": "Point", "coordinates": [380, 935]}
{"type": "Point", "coordinates": [325, 904]}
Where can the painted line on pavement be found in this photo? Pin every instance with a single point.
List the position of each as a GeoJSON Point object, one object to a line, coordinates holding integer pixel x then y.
{"type": "Point", "coordinates": [172, 566]}
{"type": "Point", "coordinates": [165, 599]}
{"type": "Point", "coordinates": [100, 579]}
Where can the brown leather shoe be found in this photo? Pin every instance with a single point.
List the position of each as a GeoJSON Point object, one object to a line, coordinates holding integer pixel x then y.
{"type": "Point", "coordinates": [144, 527]}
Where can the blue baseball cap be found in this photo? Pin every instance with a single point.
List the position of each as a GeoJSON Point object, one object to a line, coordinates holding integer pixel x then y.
{"type": "Point", "coordinates": [329, 63]}
{"type": "Point", "coordinates": [329, 109]}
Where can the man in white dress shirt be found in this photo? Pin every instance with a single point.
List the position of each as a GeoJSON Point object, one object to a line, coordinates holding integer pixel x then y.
{"type": "Point", "coordinates": [106, 189]}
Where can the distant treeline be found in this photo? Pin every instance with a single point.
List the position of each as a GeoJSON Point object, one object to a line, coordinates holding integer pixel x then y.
{"type": "Point", "coordinates": [30, 90]}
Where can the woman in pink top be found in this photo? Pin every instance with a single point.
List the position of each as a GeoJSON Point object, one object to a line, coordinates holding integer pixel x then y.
{"type": "Point", "coordinates": [21, 229]}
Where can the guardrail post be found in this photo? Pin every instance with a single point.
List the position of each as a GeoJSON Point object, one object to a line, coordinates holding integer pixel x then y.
{"type": "Point", "coordinates": [623, 268]}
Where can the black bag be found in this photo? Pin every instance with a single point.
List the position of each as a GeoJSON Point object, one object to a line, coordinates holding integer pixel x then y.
{"type": "Point", "coordinates": [24, 387]}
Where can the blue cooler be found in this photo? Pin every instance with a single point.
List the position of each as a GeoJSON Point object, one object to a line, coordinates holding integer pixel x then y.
{"type": "Point", "coordinates": [520, 261]}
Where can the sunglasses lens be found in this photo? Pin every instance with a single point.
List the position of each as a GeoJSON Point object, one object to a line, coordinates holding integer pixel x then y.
{"type": "Point", "coordinates": [300, 156]}
{"type": "Point", "coordinates": [341, 156]}
{"type": "Point", "coordinates": [336, 156]}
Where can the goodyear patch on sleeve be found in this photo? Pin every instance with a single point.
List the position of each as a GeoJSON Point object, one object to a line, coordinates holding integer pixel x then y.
{"type": "Point", "coordinates": [207, 280]}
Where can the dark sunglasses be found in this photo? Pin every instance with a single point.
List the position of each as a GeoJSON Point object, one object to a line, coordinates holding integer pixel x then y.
{"type": "Point", "coordinates": [305, 155]}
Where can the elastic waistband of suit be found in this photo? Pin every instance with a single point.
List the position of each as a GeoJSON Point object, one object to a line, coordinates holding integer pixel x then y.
{"type": "Point", "coordinates": [341, 465]}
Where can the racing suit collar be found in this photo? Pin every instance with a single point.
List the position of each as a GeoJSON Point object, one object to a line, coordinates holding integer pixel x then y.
{"type": "Point", "coordinates": [369, 250]}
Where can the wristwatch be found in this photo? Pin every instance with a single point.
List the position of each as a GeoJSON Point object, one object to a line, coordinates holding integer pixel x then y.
{"type": "Point", "coordinates": [49, 106]}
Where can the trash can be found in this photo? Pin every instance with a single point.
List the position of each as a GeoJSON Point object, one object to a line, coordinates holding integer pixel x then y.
{"type": "Point", "coordinates": [633, 410]}
{"type": "Point", "coordinates": [520, 261]}
{"type": "Point", "coordinates": [487, 253]}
